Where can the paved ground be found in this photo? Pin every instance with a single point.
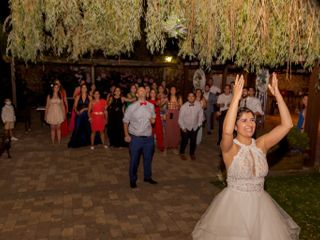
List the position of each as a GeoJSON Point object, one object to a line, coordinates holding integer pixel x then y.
{"type": "Point", "coordinates": [52, 192]}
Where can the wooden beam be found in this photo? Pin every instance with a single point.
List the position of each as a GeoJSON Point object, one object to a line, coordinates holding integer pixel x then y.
{"type": "Point", "coordinates": [313, 115]}
{"type": "Point", "coordinates": [100, 62]}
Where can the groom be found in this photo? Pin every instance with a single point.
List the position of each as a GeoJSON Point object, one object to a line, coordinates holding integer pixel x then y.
{"type": "Point", "coordinates": [138, 132]}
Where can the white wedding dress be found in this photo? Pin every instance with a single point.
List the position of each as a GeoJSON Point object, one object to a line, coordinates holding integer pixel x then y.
{"type": "Point", "coordinates": [243, 210]}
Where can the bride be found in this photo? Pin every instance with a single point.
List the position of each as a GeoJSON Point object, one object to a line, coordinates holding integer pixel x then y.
{"type": "Point", "coordinates": [243, 210]}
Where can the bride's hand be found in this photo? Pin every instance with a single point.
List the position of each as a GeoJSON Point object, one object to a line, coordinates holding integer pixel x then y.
{"type": "Point", "coordinates": [273, 87]}
{"type": "Point", "coordinates": [238, 87]}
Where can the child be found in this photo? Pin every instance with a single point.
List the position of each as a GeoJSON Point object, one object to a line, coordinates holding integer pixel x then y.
{"type": "Point", "coordinates": [8, 117]}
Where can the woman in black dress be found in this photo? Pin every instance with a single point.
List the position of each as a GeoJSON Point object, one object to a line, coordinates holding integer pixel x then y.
{"type": "Point", "coordinates": [115, 124]}
{"type": "Point", "coordinates": [82, 129]}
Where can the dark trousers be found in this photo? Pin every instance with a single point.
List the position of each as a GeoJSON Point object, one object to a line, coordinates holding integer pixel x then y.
{"type": "Point", "coordinates": [209, 121]}
{"type": "Point", "coordinates": [185, 136]}
{"type": "Point", "coordinates": [221, 121]}
{"type": "Point", "coordinates": [138, 145]}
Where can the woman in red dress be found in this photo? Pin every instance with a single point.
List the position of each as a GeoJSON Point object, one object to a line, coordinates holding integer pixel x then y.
{"type": "Point", "coordinates": [64, 125]}
{"type": "Point", "coordinates": [97, 118]}
{"type": "Point", "coordinates": [157, 127]}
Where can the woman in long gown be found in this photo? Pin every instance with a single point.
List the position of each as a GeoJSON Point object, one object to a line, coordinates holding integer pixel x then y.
{"type": "Point", "coordinates": [163, 99]}
{"type": "Point", "coordinates": [243, 210]}
{"type": "Point", "coordinates": [203, 102]}
{"type": "Point", "coordinates": [76, 93]}
{"type": "Point", "coordinates": [115, 125]}
{"type": "Point", "coordinates": [82, 129]}
{"type": "Point", "coordinates": [157, 127]}
{"type": "Point", "coordinates": [54, 113]}
{"type": "Point", "coordinates": [64, 125]}
{"type": "Point", "coordinates": [172, 137]}
{"type": "Point", "coordinates": [97, 118]}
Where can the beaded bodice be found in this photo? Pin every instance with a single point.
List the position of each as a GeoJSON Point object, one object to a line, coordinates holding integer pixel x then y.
{"type": "Point", "coordinates": [248, 168]}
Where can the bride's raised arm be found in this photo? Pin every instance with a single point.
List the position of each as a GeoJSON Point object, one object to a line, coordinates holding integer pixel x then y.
{"type": "Point", "coordinates": [265, 142]}
{"type": "Point", "coordinates": [230, 120]}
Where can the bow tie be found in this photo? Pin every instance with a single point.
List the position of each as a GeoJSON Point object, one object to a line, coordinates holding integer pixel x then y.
{"type": "Point", "coordinates": [191, 104]}
{"type": "Point", "coordinates": [143, 103]}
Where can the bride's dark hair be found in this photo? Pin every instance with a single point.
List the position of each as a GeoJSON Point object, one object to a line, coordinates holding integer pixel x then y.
{"type": "Point", "coordinates": [243, 110]}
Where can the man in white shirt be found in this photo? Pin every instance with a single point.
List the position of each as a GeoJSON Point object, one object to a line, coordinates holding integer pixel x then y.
{"type": "Point", "coordinates": [190, 119]}
{"type": "Point", "coordinates": [214, 89]}
{"type": "Point", "coordinates": [137, 121]}
{"type": "Point", "coordinates": [250, 101]}
{"type": "Point", "coordinates": [223, 103]}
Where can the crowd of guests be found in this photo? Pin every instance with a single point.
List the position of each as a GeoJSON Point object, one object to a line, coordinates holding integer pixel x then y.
{"type": "Point", "coordinates": [97, 116]}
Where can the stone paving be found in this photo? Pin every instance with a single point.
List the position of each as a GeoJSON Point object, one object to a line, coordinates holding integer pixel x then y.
{"type": "Point", "coordinates": [50, 192]}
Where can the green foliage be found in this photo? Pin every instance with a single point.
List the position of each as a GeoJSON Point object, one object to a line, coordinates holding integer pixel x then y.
{"type": "Point", "coordinates": [297, 139]}
{"type": "Point", "coordinates": [73, 28]}
{"type": "Point", "coordinates": [248, 32]}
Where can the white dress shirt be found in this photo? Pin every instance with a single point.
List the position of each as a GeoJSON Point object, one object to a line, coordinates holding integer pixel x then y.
{"type": "Point", "coordinates": [225, 100]}
{"type": "Point", "coordinates": [253, 104]}
{"type": "Point", "coordinates": [214, 89]}
{"type": "Point", "coordinates": [138, 117]}
{"type": "Point", "coordinates": [190, 116]}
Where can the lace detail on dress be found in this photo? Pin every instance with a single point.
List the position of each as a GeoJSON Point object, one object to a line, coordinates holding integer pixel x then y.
{"type": "Point", "coordinates": [248, 168]}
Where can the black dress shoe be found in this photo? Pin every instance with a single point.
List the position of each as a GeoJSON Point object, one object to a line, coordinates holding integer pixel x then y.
{"type": "Point", "coordinates": [151, 181]}
{"type": "Point", "coordinates": [133, 185]}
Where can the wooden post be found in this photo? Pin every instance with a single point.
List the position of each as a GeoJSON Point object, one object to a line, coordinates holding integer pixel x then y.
{"type": "Point", "coordinates": [93, 74]}
{"type": "Point", "coordinates": [224, 77]}
{"type": "Point", "coordinates": [13, 83]}
{"type": "Point", "coordinates": [184, 84]}
{"type": "Point", "coordinates": [313, 115]}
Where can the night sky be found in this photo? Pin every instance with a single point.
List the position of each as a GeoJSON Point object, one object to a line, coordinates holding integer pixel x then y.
{"type": "Point", "coordinates": [4, 10]}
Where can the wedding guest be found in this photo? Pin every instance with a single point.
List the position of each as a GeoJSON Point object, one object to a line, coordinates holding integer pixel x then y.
{"type": "Point", "coordinates": [97, 118]}
{"type": "Point", "coordinates": [157, 128]}
{"type": "Point", "coordinates": [137, 120]}
{"type": "Point", "coordinates": [8, 118]}
{"type": "Point", "coordinates": [248, 100]}
{"type": "Point", "coordinates": [64, 124]}
{"type": "Point", "coordinates": [209, 111]}
{"type": "Point", "coordinates": [203, 103]}
{"type": "Point", "coordinates": [82, 129]}
{"type": "Point", "coordinates": [76, 93]}
{"type": "Point", "coordinates": [302, 113]}
{"type": "Point", "coordinates": [190, 120]}
{"type": "Point", "coordinates": [172, 137]}
{"type": "Point", "coordinates": [55, 113]}
{"type": "Point", "coordinates": [115, 113]}
{"type": "Point", "coordinates": [148, 89]}
{"type": "Point", "coordinates": [131, 96]}
{"type": "Point", "coordinates": [213, 88]}
{"type": "Point", "coordinates": [92, 90]}
{"type": "Point", "coordinates": [223, 103]}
